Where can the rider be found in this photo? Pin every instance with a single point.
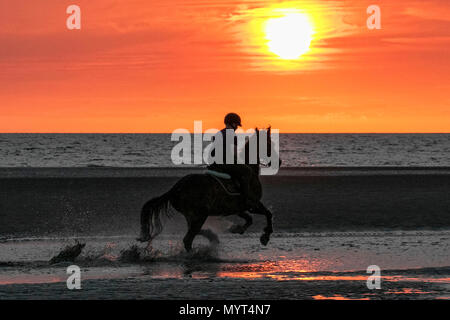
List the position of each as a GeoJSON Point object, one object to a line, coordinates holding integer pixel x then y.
{"type": "Point", "coordinates": [238, 172]}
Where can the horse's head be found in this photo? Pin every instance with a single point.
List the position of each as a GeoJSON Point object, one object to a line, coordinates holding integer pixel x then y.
{"type": "Point", "coordinates": [271, 150]}
{"type": "Point", "coordinates": [253, 151]}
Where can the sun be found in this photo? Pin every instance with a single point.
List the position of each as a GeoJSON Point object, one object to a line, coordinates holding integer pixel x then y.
{"type": "Point", "coordinates": [289, 36]}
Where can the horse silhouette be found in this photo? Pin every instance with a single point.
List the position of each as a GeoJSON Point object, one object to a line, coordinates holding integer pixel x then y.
{"type": "Point", "coordinates": [198, 196]}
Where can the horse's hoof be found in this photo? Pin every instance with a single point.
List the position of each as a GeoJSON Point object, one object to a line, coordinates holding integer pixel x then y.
{"type": "Point", "coordinates": [264, 239]}
{"type": "Point", "coordinates": [143, 239]}
{"type": "Point", "coordinates": [236, 229]}
{"type": "Point", "coordinates": [215, 240]}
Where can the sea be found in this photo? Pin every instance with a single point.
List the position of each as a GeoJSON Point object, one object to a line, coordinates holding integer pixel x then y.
{"type": "Point", "coordinates": [154, 150]}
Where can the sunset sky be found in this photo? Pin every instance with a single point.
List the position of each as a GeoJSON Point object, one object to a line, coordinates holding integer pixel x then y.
{"type": "Point", "coordinates": [155, 66]}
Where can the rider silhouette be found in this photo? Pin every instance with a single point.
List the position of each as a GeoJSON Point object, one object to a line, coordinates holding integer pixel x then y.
{"type": "Point", "coordinates": [238, 172]}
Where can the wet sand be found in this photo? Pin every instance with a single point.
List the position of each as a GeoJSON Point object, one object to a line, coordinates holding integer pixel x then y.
{"type": "Point", "coordinates": [107, 201]}
{"type": "Point", "coordinates": [330, 225]}
{"type": "Point", "coordinates": [414, 265]}
{"type": "Point", "coordinates": [225, 289]}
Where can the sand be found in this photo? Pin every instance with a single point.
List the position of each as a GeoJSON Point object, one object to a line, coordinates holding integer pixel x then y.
{"type": "Point", "coordinates": [413, 265]}
{"type": "Point", "coordinates": [93, 201]}
{"type": "Point", "coordinates": [330, 225]}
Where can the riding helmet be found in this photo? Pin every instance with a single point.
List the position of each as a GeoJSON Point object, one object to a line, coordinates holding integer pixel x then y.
{"type": "Point", "coordinates": [233, 118]}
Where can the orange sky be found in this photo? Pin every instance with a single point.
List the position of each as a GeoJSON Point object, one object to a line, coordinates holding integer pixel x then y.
{"type": "Point", "coordinates": [154, 66]}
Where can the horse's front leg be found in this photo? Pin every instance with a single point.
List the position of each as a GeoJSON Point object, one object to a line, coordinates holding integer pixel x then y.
{"type": "Point", "coordinates": [261, 209]}
{"type": "Point", "coordinates": [241, 229]}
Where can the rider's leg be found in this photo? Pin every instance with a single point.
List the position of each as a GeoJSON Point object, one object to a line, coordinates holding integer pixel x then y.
{"type": "Point", "coordinates": [243, 174]}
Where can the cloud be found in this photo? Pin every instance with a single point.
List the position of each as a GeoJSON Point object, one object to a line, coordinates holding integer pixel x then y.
{"type": "Point", "coordinates": [430, 10]}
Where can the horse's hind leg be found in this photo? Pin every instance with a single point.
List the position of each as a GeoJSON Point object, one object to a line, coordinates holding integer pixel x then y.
{"type": "Point", "coordinates": [195, 224]}
{"type": "Point", "coordinates": [208, 234]}
{"type": "Point", "coordinates": [241, 229]}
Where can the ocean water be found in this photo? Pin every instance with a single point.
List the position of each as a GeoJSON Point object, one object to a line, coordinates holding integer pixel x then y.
{"type": "Point", "coordinates": [154, 150]}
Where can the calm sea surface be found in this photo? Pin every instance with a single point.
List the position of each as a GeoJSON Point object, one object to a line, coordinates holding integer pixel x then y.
{"type": "Point", "coordinates": [153, 150]}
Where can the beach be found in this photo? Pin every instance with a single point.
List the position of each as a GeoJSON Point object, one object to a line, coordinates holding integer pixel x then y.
{"type": "Point", "coordinates": [107, 107]}
{"type": "Point", "coordinates": [330, 224]}
{"type": "Point", "coordinates": [413, 265]}
{"type": "Point", "coordinates": [107, 201]}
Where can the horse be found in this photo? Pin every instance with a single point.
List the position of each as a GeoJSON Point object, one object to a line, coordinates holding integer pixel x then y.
{"type": "Point", "coordinates": [198, 196]}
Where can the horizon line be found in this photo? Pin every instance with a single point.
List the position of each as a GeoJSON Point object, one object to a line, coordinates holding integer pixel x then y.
{"type": "Point", "coordinates": [238, 133]}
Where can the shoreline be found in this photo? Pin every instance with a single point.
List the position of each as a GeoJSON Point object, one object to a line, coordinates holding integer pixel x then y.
{"type": "Point", "coordinates": [414, 265]}
{"type": "Point", "coordinates": [149, 172]}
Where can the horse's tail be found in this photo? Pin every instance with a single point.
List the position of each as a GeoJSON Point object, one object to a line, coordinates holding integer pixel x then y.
{"type": "Point", "coordinates": [151, 213]}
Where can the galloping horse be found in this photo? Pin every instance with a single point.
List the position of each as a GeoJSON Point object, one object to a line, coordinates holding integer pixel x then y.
{"type": "Point", "coordinates": [198, 196]}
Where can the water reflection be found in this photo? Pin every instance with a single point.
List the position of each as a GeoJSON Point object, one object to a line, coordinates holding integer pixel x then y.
{"type": "Point", "coordinates": [283, 270]}
{"type": "Point", "coordinates": [277, 270]}
{"type": "Point", "coordinates": [335, 297]}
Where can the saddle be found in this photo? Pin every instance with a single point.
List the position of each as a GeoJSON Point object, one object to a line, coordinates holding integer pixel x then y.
{"type": "Point", "coordinates": [228, 184]}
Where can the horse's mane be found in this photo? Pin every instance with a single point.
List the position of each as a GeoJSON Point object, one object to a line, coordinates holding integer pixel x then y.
{"type": "Point", "coordinates": [246, 149]}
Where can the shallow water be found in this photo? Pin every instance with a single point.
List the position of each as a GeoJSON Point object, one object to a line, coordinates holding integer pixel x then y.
{"type": "Point", "coordinates": [410, 260]}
